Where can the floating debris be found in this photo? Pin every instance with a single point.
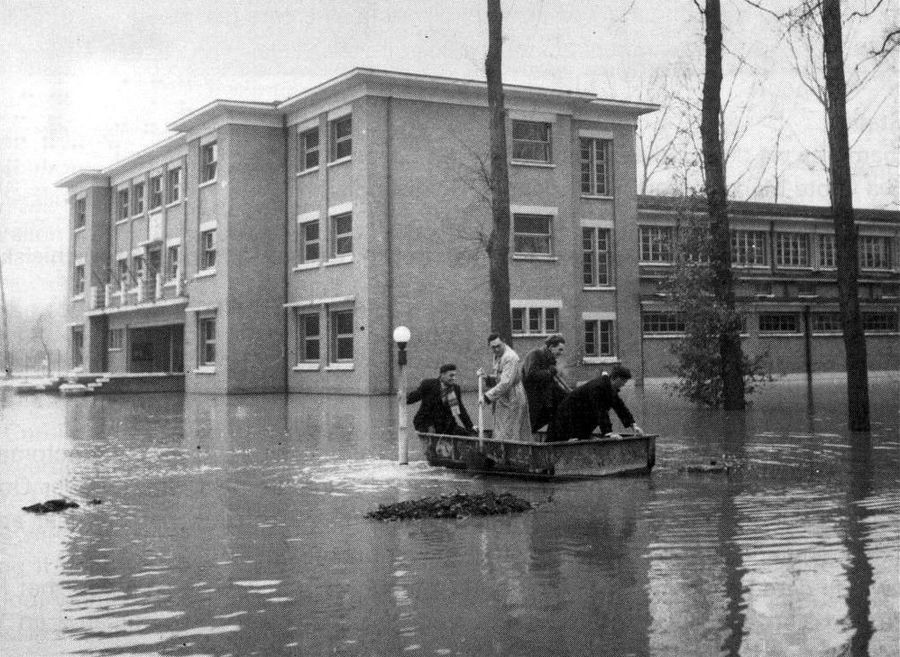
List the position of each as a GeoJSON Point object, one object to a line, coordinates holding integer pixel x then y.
{"type": "Point", "coordinates": [95, 501]}
{"type": "Point", "coordinates": [712, 467]}
{"type": "Point", "coordinates": [452, 505]}
{"type": "Point", "coordinates": [50, 506]}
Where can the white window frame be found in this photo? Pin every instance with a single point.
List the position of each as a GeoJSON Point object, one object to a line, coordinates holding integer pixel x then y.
{"type": "Point", "coordinates": [797, 330]}
{"type": "Point", "coordinates": [156, 193]}
{"type": "Point", "coordinates": [336, 239]}
{"type": "Point", "coordinates": [592, 255]}
{"type": "Point", "coordinates": [665, 323]}
{"type": "Point", "coordinates": [335, 143]}
{"type": "Point", "coordinates": [599, 170]}
{"type": "Point", "coordinates": [749, 248]}
{"type": "Point", "coordinates": [173, 264]}
{"type": "Point", "coordinates": [528, 143]}
{"type": "Point", "coordinates": [304, 151]}
{"type": "Point", "coordinates": [209, 162]}
{"type": "Point", "coordinates": [534, 316]}
{"type": "Point", "coordinates": [137, 200]}
{"type": "Point", "coordinates": [826, 258]}
{"type": "Point", "coordinates": [302, 338]}
{"type": "Point", "coordinates": [115, 339]}
{"type": "Point", "coordinates": [207, 251]}
{"type": "Point", "coordinates": [123, 201]}
{"type": "Point", "coordinates": [335, 361]}
{"type": "Point", "coordinates": [80, 220]}
{"type": "Point", "coordinates": [173, 186]}
{"type": "Point", "coordinates": [204, 342]}
{"type": "Point", "coordinates": [792, 250]}
{"type": "Point", "coordinates": [874, 252]}
{"type": "Point", "coordinates": [596, 328]}
{"type": "Point", "coordinates": [79, 278]}
{"type": "Point", "coordinates": [655, 244]}
{"type": "Point", "coordinates": [302, 258]}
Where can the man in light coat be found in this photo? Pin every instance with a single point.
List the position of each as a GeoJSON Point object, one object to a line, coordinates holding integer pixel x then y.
{"type": "Point", "coordinates": [507, 394]}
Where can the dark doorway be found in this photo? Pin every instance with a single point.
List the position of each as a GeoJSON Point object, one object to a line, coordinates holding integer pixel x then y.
{"type": "Point", "coordinates": [156, 349]}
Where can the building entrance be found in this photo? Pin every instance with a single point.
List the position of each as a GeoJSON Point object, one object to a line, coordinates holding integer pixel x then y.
{"type": "Point", "coordinates": [156, 349]}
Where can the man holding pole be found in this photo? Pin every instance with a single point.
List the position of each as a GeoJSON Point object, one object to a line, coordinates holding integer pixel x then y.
{"type": "Point", "coordinates": [442, 410]}
{"type": "Point", "coordinates": [507, 394]}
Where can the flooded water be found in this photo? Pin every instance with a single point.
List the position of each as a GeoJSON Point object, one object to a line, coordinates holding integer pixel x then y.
{"type": "Point", "coordinates": [235, 526]}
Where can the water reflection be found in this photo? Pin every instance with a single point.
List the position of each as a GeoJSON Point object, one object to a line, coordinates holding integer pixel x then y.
{"type": "Point", "coordinates": [235, 525]}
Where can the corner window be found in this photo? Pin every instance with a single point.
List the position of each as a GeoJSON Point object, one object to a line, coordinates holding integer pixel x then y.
{"type": "Point", "coordinates": [342, 235]}
{"type": "Point", "coordinates": [78, 280]}
{"type": "Point", "coordinates": [792, 249]}
{"type": "Point", "coordinates": [598, 337]}
{"type": "Point", "coordinates": [596, 166]}
{"type": "Point", "coordinates": [123, 203]}
{"type": "Point", "coordinates": [156, 192]}
{"type": "Point", "coordinates": [535, 320]}
{"type": "Point", "coordinates": [138, 201]}
{"type": "Point", "coordinates": [308, 246]}
{"type": "Point", "coordinates": [116, 339]}
{"type": "Point", "coordinates": [532, 234]}
{"type": "Point", "coordinates": [748, 248]}
{"type": "Point", "coordinates": [596, 261]}
{"type": "Point", "coordinates": [209, 159]}
{"type": "Point", "coordinates": [173, 185]}
{"type": "Point", "coordinates": [172, 253]}
{"type": "Point", "coordinates": [80, 213]}
{"type": "Point", "coordinates": [341, 336]}
{"type": "Point", "coordinates": [308, 150]}
{"type": "Point", "coordinates": [662, 323]}
{"type": "Point", "coordinates": [206, 340]}
{"type": "Point", "coordinates": [208, 249]}
{"type": "Point", "coordinates": [656, 244]}
{"type": "Point", "coordinates": [309, 337]}
{"type": "Point", "coordinates": [341, 138]}
{"type": "Point", "coordinates": [531, 141]}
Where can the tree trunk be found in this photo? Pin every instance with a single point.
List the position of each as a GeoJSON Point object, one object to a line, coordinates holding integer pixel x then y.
{"type": "Point", "coordinates": [717, 203]}
{"type": "Point", "coordinates": [844, 224]}
{"type": "Point", "coordinates": [7, 362]}
{"type": "Point", "coordinates": [498, 243]}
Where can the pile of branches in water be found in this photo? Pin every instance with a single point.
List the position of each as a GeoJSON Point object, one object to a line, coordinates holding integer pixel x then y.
{"type": "Point", "coordinates": [452, 505]}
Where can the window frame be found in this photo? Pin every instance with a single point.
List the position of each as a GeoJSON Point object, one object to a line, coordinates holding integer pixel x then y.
{"type": "Point", "coordinates": [115, 339]}
{"type": "Point", "coordinates": [209, 166]}
{"type": "Point", "coordinates": [80, 219]}
{"type": "Point", "coordinates": [870, 317]}
{"type": "Point", "coordinates": [659, 248]}
{"type": "Point", "coordinates": [336, 142]}
{"type": "Point", "coordinates": [137, 199]}
{"type": "Point", "coordinates": [796, 329]}
{"type": "Point", "coordinates": [123, 198]}
{"type": "Point", "coordinates": [304, 243]}
{"type": "Point", "coordinates": [156, 195]}
{"type": "Point", "coordinates": [79, 279]}
{"type": "Point", "coordinates": [173, 263]}
{"type": "Point", "coordinates": [749, 248]}
{"type": "Point", "coordinates": [596, 333]}
{"type": "Point", "coordinates": [792, 250]}
{"type": "Point", "coordinates": [590, 165]}
{"type": "Point", "coordinates": [662, 323]}
{"type": "Point", "coordinates": [546, 145]}
{"type": "Point", "coordinates": [173, 185]}
{"type": "Point", "coordinates": [204, 342]}
{"type": "Point", "coordinates": [335, 337]}
{"type": "Point", "coordinates": [826, 247]}
{"type": "Point", "coordinates": [335, 238]}
{"type": "Point", "coordinates": [207, 255]}
{"type": "Point", "coordinates": [594, 259]}
{"type": "Point", "coordinates": [872, 258]}
{"type": "Point", "coordinates": [303, 338]}
{"type": "Point", "coordinates": [531, 310]}
{"type": "Point", "coordinates": [304, 150]}
{"type": "Point", "coordinates": [517, 235]}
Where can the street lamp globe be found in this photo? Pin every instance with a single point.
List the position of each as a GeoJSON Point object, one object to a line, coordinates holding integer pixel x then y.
{"type": "Point", "coordinates": [401, 336]}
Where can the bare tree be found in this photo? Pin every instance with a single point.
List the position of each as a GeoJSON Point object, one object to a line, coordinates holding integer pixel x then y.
{"type": "Point", "coordinates": [38, 333]}
{"type": "Point", "coordinates": [657, 136]}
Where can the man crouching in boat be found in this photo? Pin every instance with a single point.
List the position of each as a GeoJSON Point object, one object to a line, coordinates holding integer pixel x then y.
{"type": "Point", "coordinates": [588, 406]}
{"type": "Point", "coordinates": [442, 409]}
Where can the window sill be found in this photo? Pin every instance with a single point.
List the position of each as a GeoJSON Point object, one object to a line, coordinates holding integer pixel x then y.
{"type": "Point", "coordinates": [204, 369]}
{"type": "Point", "coordinates": [599, 288]}
{"type": "Point", "coordinates": [306, 172]}
{"type": "Point", "coordinates": [306, 367]}
{"type": "Point", "coordinates": [535, 164]}
{"type": "Point", "coordinates": [111, 349]}
{"type": "Point", "coordinates": [157, 210]}
{"type": "Point", "coordinates": [307, 265]}
{"type": "Point", "coordinates": [121, 220]}
{"type": "Point", "coordinates": [78, 229]}
{"type": "Point", "coordinates": [808, 297]}
{"type": "Point", "coordinates": [207, 183]}
{"type": "Point", "coordinates": [666, 336]}
{"type": "Point", "coordinates": [172, 204]}
{"type": "Point", "coordinates": [757, 267]}
{"type": "Point", "coordinates": [598, 197]}
{"type": "Point", "coordinates": [171, 283]}
{"type": "Point", "coordinates": [644, 263]}
{"type": "Point", "coordinates": [340, 161]}
{"type": "Point", "coordinates": [78, 297]}
{"type": "Point", "coordinates": [205, 273]}
{"type": "Point", "coordinates": [535, 256]}
{"type": "Point", "coordinates": [339, 367]}
{"type": "Point", "coordinates": [532, 335]}
{"type": "Point", "coordinates": [600, 360]}
{"type": "Point", "coordinates": [339, 261]}
{"type": "Point", "coordinates": [780, 334]}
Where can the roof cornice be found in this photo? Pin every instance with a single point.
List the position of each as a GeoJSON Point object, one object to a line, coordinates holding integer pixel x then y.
{"type": "Point", "coordinates": [229, 111]}
{"type": "Point", "coordinates": [83, 178]}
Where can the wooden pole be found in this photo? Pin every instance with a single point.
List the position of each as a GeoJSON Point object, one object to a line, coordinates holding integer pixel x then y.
{"type": "Point", "coordinates": [402, 440]}
{"type": "Point", "coordinates": [481, 413]}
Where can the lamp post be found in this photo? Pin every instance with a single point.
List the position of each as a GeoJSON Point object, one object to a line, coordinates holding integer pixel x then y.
{"type": "Point", "coordinates": [401, 337]}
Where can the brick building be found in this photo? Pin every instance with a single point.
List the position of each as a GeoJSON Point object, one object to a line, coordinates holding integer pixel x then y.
{"type": "Point", "coordinates": [271, 247]}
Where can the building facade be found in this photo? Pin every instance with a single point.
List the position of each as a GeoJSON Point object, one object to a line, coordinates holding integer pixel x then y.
{"type": "Point", "coordinates": [270, 247]}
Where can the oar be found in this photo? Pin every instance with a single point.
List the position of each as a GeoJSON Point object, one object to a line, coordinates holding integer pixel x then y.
{"type": "Point", "coordinates": [481, 413]}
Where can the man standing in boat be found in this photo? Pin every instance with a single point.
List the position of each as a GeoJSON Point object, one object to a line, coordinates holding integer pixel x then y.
{"type": "Point", "coordinates": [544, 387]}
{"type": "Point", "coordinates": [442, 409]}
{"type": "Point", "coordinates": [507, 394]}
{"type": "Point", "coordinates": [588, 406]}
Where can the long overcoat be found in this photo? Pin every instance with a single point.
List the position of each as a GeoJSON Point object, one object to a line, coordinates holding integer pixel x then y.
{"type": "Point", "coordinates": [586, 408]}
{"type": "Point", "coordinates": [434, 414]}
{"type": "Point", "coordinates": [508, 396]}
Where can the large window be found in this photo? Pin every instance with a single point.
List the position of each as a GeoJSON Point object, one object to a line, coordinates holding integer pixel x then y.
{"type": "Point", "coordinates": [826, 322]}
{"type": "Point", "coordinates": [124, 206]}
{"type": "Point", "coordinates": [341, 138]}
{"type": "Point", "coordinates": [532, 234]}
{"type": "Point", "coordinates": [880, 322]}
{"type": "Point", "coordinates": [173, 185]}
{"type": "Point", "coordinates": [596, 167]}
{"type": "Point", "coordinates": [779, 323]}
{"type": "Point", "coordinates": [531, 141]}
{"type": "Point", "coordinates": [874, 252]}
{"type": "Point", "coordinates": [656, 243]}
{"type": "Point", "coordinates": [80, 213]}
{"type": "Point", "coordinates": [535, 320]}
{"type": "Point", "coordinates": [662, 323]}
{"type": "Point", "coordinates": [341, 336]}
{"type": "Point", "coordinates": [748, 248]}
{"type": "Point", "coordinates": [209, 161]}
{"type": "Point", "coordinates": [308, 150]}
{"type": "Point", "coordinates": [172, 253]}
{"type": "Point", "coordinates": [156, 192]}
{"type": "Point", "coordinates": [598, 338]}
{"type": "Point", "coordinates": [792, 249]}
{"type": "Point", "coordinates": [206, 340]}
{"type": "Point", "coordinates": [309, 242]}
{"type": "Point", "coordinates": [342, 235]}
{"type": "Point", "coordinates": [138, 201]}
{"type": "Point", "coordinates": [208, 249]}
{"type": "Point", "coordinates": [78, 281]}
{"type": "Point", "coordinates": [596, 261]}
{"type": "Point", "coordinates": [826, 252]}
{"type": "Point", "coordinates": [116, 339]}
{"type": "Point", "coordinates": [309, 337]}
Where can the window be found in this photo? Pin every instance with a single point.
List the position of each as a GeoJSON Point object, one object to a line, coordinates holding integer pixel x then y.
{"type": "Point", "coordinates": [78, 280]}
{"type": "Point", "coordinates": [806, 288]}
{"type": "Point", "coordinates": [532, 234]}
{"type": "Point", "coordinates": [208, 249]}
{"type": "Point", "coordinates": [156, 192]}
{"type": "Point", "coordinates": [209, 159]}
{"type": "Point", "coordinates": [596, 167]}
{"type": "Point", "coordinates": [598, 337]}
{"type": "Point", "coordinates": [884, 322]}
{"type": "Point", "coordinates": [80, 213]}
{"type": "Point", "coordinates": [173, 185]}
{"type": "Point", "coordinates": [763, 289]}
{"type": "Point", "coordinates": [656, 243]}
{"type": "Point", "coordinates": [341, 347]}
{"type": "Point", "coordinates": [662, 322]}
{"type": "Point", "coordinates": [341, 235]}
{"type": "Point", "coordinates": [172, 254]}
{"type": "Point", "coordinates": [792, 249]}
{"type": "Point", "coordinates": [122, 273]}
{"type": "Point", "coordinates": [308, 155]}
{"type": "Point", "coordinates": [535, 320]}
{"type": "Point", "coordinates": [596, 261]}
{"type": "Point", "coordinates": [874, 252]}
{"type": "Point", "coordinates": [308, 235]}
{"type": "Point", "coordinates": [77, 346]}
{"type": "Point", "coordinates": [531, 141]}
{"type": "Point", "coordinates": [826, 322]}
{"type": "Point", "coordinates": [309, 337]}
{"type": "Point", "coordinates": [115, 339]}
{"type": "Point", "coordinates": [138, 267]}
{"type": "Point", "coordinates": [124, 207]}
{"type": "Point", "coordinates": [779, 323]}
{"type": "Point", "coordinates": [138, 198]}
{"type": "Point", "coordinates": [206, 340]}
{"type": "Point", "coordinates": [826, 252]}
{"type": "Point", "coordinates": [341, 138]}
{"type": "Point", "coordinates": [748, 248]}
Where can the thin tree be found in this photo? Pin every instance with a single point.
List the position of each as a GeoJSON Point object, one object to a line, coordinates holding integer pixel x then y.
{"type": "Point", "coordinates": [498, 242]}
{"type": "Point", "coordinates": [7, 361]}
{"type": "Point", "coordinates": [38, 332]}
{"type": "Point", "coordinates": [717, 207]}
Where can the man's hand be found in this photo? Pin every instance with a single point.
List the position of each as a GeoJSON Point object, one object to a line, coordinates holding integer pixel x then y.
{"type": "Point", "coordinates": [487, 400]}
{"type": "Point", "coordinates": [637, 430]}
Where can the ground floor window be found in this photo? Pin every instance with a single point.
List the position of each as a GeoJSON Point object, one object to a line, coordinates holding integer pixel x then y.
{"type": "Point", "coordinates": [535, 320]}
{"type": "Point", "coordinates": [341, 336]}
{"type": "Point", "coordinates": [779, 323]}
{"type": "Point", "coordinates": [598, 337]}
{"type": "Point", "coordinates": [116, 339]}
{"type": "Point", "coordinates": [662, 322]}
{"type": "Point", "coordinates": [880, 322]}
{"type": "Point", "coordinates": [309, 337]}
{"type": "Point", "coordinates": [77, 346]}
{"type": "Point", "coordinates": [826, 322]}
{"type": "Point", "coordinates": [206, 340]}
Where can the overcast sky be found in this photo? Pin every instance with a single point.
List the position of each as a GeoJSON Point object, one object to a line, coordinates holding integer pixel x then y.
{"type": "Point", "coordinates": [85, 84]}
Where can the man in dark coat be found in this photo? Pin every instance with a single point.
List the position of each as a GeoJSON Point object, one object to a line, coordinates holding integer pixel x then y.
{"type": "Point", "coordinates": [543, 386]}
{"type": "Point", "coordinates": [442, 409]}
{"type": "Point", "coordinates": [588, 406]}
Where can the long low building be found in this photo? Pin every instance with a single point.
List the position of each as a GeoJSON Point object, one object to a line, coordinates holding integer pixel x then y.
{"type": "Point", "coordinates": [271, 247]}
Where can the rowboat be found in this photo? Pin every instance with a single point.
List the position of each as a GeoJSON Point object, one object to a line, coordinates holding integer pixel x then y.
{"type": "Point", "coordinates": [597, 457]}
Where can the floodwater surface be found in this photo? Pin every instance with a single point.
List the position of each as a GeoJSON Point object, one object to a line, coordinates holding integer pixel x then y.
{"type": "Point", "coordinates": [236, 526]}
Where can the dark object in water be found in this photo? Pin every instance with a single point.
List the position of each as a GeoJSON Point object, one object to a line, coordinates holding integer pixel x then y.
{"type": "Point", "coordinates": [712, 466]}
{"type": "Point", "coordinates": [95, 501]}
{"type": "Point", "coordinates": [50, 506]}
{"type": "Point", "coordinates": [455, 505]}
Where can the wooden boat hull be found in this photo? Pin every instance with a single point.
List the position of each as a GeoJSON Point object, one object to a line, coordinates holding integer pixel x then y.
{"type": "Point", "coordinates": [599, 457]}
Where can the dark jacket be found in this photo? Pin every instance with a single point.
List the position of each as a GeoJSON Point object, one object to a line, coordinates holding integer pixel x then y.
{"type": "Point", "coordinates": [586, 408]}
{"type": "Point", "coordinates": [542, 388]}
{"type": "Point", "coordinates": [434, 414]}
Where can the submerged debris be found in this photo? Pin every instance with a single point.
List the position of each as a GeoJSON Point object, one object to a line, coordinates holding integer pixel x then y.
{"type": "Point", "coordinates": [712, 466]}
{"type": "Point", "coordinates": [452, 505]}
{"type": "Point", "coordinates": [50, 506]}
